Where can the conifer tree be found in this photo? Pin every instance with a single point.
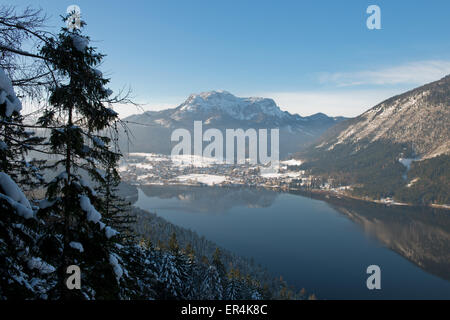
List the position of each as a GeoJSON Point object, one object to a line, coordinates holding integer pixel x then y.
{"type": "Point", "coordinates": [140, 260]}
{"type": "Point", "coordinates": [174, 247]}
{"type": "Point", "coordinates": [182, 264]}
{"type": "Point", "coordinates": [23, 274]}
{"type": "Point", "coordinates": [233, 286]}
{"type": "Point", "coordinates": [211, 284]}
{"type": "Point", "coordinates": [169, 277]}
{"type": "Point", "coordinates": [193, 271]}
{"type": "Point", "coordinates": [79, 118]}
{"type": "Point", "coordinates": [217, 263]}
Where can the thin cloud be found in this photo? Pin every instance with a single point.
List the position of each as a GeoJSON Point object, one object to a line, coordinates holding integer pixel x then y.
{"type": "Point", "coordinates": [419, 72]}
{"type": "Point", "coordinates": [125, 110]}
{"type": "Point", "coordinates": [348, 103]}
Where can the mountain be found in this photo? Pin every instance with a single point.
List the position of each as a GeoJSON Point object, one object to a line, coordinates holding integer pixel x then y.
{"type": "Point", "coordinates": [400, 148]}
{"type": "Point", "coordinates": [220, 109]}
{"type": "Point", "coordinates": [419, 118]}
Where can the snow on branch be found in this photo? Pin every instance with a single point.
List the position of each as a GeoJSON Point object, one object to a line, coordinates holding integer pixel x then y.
{"type": "Point", "coordinates": [10, 192]}
{"type": "Point", "coordinates": [8, 96]}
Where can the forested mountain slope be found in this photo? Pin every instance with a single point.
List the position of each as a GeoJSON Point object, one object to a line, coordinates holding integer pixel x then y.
{"type": "Point", "coordinates": [400, 148]}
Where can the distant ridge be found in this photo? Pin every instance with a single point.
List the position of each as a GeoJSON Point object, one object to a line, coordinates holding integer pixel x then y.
{"type": "Point", "coordinates": [222, 110]}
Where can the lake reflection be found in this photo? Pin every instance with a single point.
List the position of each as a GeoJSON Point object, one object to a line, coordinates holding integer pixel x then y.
{"type": "Point", "coordinates": [322, 246]}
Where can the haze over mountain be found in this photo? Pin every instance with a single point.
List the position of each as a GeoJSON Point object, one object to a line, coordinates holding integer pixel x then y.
{"type": "Point", "coordinates": [222, 110]}
{"type": "Point", "coordinates": [400, 148]}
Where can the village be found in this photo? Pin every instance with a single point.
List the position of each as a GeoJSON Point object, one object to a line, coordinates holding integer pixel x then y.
{"type": "Point", "coordinates": [151, 168]}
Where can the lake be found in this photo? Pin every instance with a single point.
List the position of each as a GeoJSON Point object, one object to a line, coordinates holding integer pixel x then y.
{"type": "Point", "coordinates": [323, 246]}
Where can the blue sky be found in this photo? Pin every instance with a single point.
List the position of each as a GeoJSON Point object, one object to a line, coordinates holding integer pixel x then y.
{"type": "Point", "coordinates": [310, 56]}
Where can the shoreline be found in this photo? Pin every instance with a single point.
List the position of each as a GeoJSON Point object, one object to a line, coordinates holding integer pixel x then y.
{"type": "Point", "coordinates": [322, 193]}
{"type": "Point", "coordinates": [334, 194]}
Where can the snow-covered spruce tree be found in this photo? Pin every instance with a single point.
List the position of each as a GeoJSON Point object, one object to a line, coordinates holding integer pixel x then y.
{"type": "Point", "coordinates": [234, 286]}
{"type": "Point", "coordinates": [241, 288]}
{"type": "Point", "coordinates": [78, 115]}
{"type": "Point", "coordinates": [184, 264]}
{"type": "Point", "coordinates": [172, 274]}
{"type": "Point", "coordinates": [211, 285]}
{"type": "Point", "coordinates": [23, 274]}
{"type": "Point", "coordinates": [169, 281]}
{"type": "Point", "coordinates": [194, 272]}
{"type": "Point", "coordinates": [218, 264]}
{"type": "Point", "coordinates": [141, 263]}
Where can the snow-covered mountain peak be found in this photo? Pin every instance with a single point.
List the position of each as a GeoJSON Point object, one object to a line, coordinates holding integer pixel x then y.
{"type": "Point", "coordinates": [238, 108]}
{"type": "Point", "coordinates": [222, 110]}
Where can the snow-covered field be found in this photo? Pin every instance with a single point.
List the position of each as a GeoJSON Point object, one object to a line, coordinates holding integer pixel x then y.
{"type": "Point", "coordinates": [178, 160]}
{"type": "Point", "coordinates": [193, 160]}
{"type": "Point", "coordinates": [281, 175]}
{"type": "Point", "coordinates": [208, 179]}
{"type": "Point", "coordinates": [291, 162]}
